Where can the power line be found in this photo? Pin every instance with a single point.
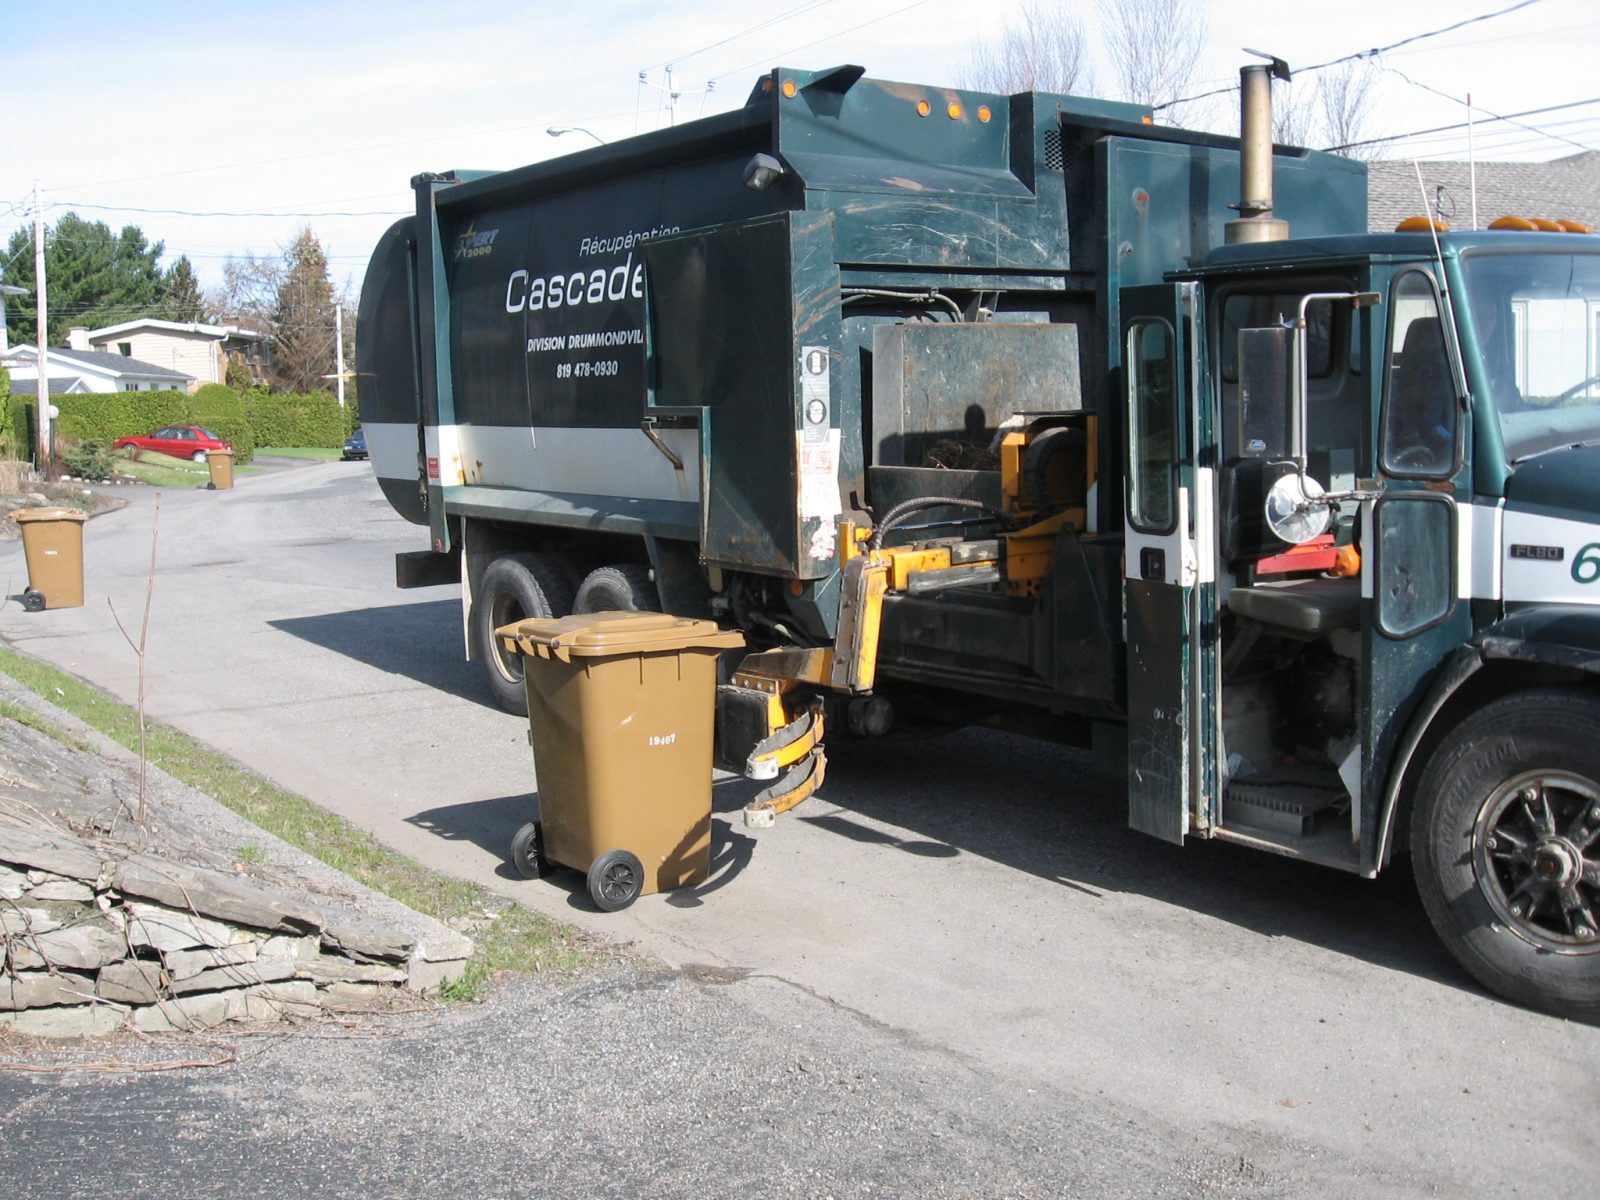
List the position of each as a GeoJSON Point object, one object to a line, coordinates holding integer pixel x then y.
{"type": "Point", "coordinates": [796, 49]}
{"type": "Point", "coordinates": [796, 11]}
{"type": "Point", "coordinates": [1532, 112]}
{"type": "Point", "coordinates": [1373, 53]}
{"type": "Point", "coordinates": [181, 212]}
{"type": "Point", "coordinates": [1496, 116]}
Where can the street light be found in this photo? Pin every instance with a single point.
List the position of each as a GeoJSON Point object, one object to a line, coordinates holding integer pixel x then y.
{"type": "Point", "coordinates": [558, 130]}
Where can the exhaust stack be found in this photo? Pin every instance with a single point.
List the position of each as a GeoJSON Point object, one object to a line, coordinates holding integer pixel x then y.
{"type": "Point", "coordinates": [1255, 222]}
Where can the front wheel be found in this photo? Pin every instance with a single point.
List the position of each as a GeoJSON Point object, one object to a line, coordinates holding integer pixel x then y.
{"type": "Point", "coordinates": [1506, 843]}
{"type": "Point", "coordinates": [198, 456]}
{"type": "Point", "coordinates": [615, 880]}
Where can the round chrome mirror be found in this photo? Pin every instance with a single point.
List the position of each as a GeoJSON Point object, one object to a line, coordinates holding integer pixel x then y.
{"type": "Point", "coordinates": [1294, 512]}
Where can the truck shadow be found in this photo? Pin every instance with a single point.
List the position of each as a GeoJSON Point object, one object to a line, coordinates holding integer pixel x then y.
{"type": "Point", "coordinates": [1051, 811]}
{"type": "Point", "coordinates": [421, 641]}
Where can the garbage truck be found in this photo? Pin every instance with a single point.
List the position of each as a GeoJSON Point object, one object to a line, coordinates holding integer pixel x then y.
{"type": "Point", "coordinates": [1027, 410]}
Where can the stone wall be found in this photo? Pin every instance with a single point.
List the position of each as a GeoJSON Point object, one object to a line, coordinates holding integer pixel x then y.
{"type": "Point", "coordinates": [95, 939]}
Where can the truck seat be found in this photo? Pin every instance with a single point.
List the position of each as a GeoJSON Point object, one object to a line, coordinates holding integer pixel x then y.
{"type": "Point", "coordinates": [1300, 607]}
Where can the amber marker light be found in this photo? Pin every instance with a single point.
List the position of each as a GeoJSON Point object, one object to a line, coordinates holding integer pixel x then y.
{"type": "Point", "coordinates": [1573, 226]}
{"type": "Point", "coordinates": [1522, 224]}
{"type": "Point", "coordinates": [923, 108]}
{"type": "Point", "coordinates": [1422, 225]}
{"type": "Point", "coordinates": [954, 111]}
{"type": "Point", "coordinates": [766, 86]}
{"type": "Point", "coordinates": [789, 89]}
{"type": "Point", "coordinates": [984, 114]}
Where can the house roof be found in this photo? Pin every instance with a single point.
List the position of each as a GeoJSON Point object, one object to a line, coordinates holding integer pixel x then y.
{"type": "Point", "coordinates": [215, 332]}
{"type": "Point", "coordinates": [1563, 188]}
{"type": "Point", "coordinates": [98, 362]}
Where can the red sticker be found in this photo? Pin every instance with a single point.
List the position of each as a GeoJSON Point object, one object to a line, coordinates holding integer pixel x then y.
{"type": "Point", "coordinates": [433, 468]}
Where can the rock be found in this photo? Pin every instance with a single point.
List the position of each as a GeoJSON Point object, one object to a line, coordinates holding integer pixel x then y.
{"type": "Point", "coordinates": [132, 981]}
{"type": "Point", "coordinates": [63, 889]}
{"type": "Point", "coordinates": [375, 996]}
{"type": "Point", "coordinates": [37, 500]}
{"type": "Point", "coordinates": [330, 968]}
{"type": "Point", "coordinates": [185, 1013]}
{"type": "Point", "coordinates": [271, 1001]}
{"type": "Point", "coordinates": [367, 941]}
{"type": "Point", "coordinates": [28, 920]}
{"type": "Point", "coordinates": [291, 947]}
{"type": "Point", "coordinates": [58, 853]}
{"type": "Point", "coordinates": [13, 883]}
{"type": "Point", "coordinates": [426, 977]}
{"type": "Point", "coordinates": [212, 895]}
{"type": "Point", "coordinates": [269, 970]}
{"type": "Point", "coordinates": [38, 989]}
{"type": "Point", "coordinates": [186, 964]}
{"type": "Point", "coordinates": [164, 929]}
{"type": "Point", "coordinates": [84, 947]}
{"type": "Point", "coordinates": [80, 1021]}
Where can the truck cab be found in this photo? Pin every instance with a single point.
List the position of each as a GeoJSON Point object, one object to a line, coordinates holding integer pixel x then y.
{"type": "Point", "coordinates": [1362, 543]}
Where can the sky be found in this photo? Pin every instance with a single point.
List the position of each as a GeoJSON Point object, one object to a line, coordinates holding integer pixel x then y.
{"type": "Point", "coordinates": [319, 112]}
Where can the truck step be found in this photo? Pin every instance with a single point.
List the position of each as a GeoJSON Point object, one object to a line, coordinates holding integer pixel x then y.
{"type": "Point", "coordinates": [1278, 806]}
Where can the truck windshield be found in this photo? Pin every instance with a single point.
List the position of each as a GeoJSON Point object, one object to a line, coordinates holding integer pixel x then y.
{"type": "Point", "coordinates": [1537, 321]}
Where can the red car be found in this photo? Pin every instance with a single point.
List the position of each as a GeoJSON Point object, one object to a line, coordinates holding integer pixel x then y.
{"type": "Point", "coordinates": [180, 441]}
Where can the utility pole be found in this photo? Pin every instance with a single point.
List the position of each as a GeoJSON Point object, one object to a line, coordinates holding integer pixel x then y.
{"type": "Point", "coordinates": [43, 372]}
{"type": "Point", "coordinates": [338, 349]}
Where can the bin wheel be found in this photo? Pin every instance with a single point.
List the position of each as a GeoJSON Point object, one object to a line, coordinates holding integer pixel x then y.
{"type": "Point", "coordinates": [615, 880]}
{"type": "Point", "coordinates": [33, 601]}
{"type": "Point", "coordinates": [527, 852]}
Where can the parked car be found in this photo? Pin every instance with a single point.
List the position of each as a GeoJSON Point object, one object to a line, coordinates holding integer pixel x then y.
{"type": "Point", "coordinates": [355, 446]}
{"type": "Point", "coordinates": [180, 441]}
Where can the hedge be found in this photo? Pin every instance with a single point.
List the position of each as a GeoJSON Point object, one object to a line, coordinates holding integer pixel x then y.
{"type": "Point", "coordinates": [248, 421]}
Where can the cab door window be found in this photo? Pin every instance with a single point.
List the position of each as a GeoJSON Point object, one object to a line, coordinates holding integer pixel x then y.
{"type": "Point", "coordinates": [1421, 415]}
{"type": "Point", "coordinates": [1152, 426]}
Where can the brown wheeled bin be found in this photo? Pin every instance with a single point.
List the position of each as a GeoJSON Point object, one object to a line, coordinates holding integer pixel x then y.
{"type": "Point", "coordinates": [621, 709]}
{"type": "Point", "coordinates": [220, 464]}
{"type": "Point", "coordinates": [52, 543]}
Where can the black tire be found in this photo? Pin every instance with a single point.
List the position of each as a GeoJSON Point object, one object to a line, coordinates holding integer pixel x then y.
{"type": "Point", "coordinates": [1506, 842]}
{"type": "Point", "coordinates": [615, 880]}
{"type": "Point", "coordinates": [514, 588]}
{"type": "Point", "coordinates": [33, 601]}
{"type": "Point", "coordinates": [527, 852]}
{"type": "Point", "coordinates": [625, 587]}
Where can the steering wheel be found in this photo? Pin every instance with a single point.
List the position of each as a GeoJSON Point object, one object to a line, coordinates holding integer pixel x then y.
{"type": "Point", "coordinates": [1572, 391]}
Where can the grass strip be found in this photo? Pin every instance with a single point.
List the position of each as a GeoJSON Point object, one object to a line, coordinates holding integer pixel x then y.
{"type": "Point", "coordinates": [507, 936]}
{"type": "Point", "coordinates": [314, 453]}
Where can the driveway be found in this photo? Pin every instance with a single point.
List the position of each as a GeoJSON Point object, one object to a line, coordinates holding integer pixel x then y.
{"type": "Point", "coordinates": [974, 896]}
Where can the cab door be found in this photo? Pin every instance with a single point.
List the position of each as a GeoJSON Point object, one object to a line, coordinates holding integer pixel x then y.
{"type": "Point", "coordinates": [1169, 584]}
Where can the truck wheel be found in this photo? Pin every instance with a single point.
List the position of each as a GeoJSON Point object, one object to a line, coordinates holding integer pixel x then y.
{"type": "Point", "coordinates": [626, 587]}
{"type": "Point", "coordinates": [615, 880]}
{"type": "Point", "coordinates": [527, 852]}
{"type": "Point", "coordinates": [1506, 842]}
{"type": "Point", "coordinates": [514, 588]}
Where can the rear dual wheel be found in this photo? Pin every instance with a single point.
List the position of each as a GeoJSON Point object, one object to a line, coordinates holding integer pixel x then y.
{"type": "Point", "coordinates": [1506, 843]}
{"type": "Point", "coordinates": [515, 587]}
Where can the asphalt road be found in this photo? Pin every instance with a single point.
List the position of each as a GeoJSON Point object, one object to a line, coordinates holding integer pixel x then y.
{"type": "Point", "coordinates": [974, 896]}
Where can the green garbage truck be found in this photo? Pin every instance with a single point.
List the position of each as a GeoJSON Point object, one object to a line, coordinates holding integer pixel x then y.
{"type": "Point", "coordinates": [1026, 409]}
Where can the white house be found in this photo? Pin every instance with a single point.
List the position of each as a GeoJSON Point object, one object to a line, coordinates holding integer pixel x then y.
{"type": "Point", "coordinates": [202, 352]}
{"type": "Point", "coordinates": [69, 371]}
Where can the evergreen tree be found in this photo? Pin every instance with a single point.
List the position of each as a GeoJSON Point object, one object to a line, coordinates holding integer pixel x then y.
{"type": "Point", "coordinates": [183, 302]}
{"type": "Point", "coordinates": [302, 318]}
{"type": "Point", "coordinates": [94, 277]}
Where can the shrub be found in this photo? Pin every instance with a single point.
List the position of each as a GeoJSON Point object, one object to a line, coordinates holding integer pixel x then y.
{"type": "Point", "coordinates": [112, 415]}
{"type": "Point", "coordinates": [296, 419]}
{"type": "Point", "coordinates": [221, 410]}
{"type": "Point", "coordinates": [88, 460]}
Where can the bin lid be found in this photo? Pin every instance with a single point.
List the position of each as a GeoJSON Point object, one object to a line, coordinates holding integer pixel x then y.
{"type": "Point", "coordinates": [222, 451]}
{"type": "Point", "coordinates": [23, 515]}
{"type": "Point", "coordinates": [601, 633]}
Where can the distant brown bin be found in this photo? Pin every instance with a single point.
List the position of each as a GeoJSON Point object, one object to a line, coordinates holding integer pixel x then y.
{"type": "Point", "coordinates": [621, 707]}
{"type": "Point", "coordinates": [52, 542]}
{"type": "Point", "coordinates": [220, 463]}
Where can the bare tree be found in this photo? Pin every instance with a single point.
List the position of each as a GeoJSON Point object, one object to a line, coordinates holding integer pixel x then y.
{"type": "Point", "coordinates": [1346, 102]}
{"type": "Point", "coordinates": [249, 291]}
{"type": "Point", "coordinates": [1155, 48]}
{"type": "Point", "coordinates": [1294, 113]}
{"type": "Point", "coordinates": [1045, 49]}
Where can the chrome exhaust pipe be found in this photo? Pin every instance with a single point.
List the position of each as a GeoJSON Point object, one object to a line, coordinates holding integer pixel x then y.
{"type": "Point", "coordinates": [1255, 222]}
